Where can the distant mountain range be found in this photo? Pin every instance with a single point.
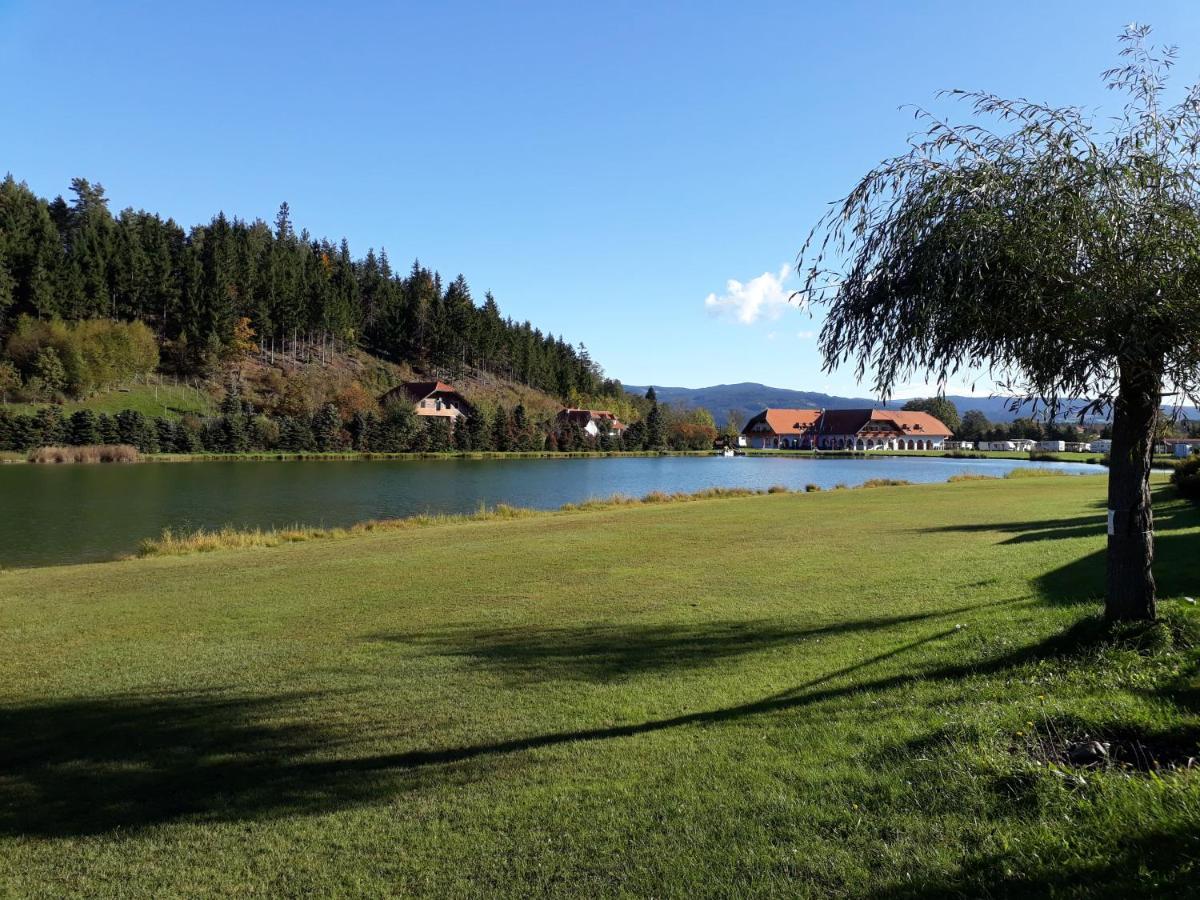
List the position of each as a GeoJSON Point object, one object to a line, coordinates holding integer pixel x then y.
{"type": "Point", "coordinates": [749, 398]}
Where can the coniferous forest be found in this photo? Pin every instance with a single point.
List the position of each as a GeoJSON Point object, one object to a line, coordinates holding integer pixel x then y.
{"type": "Point", "coordinates": [90, 300]}
{"type": "Point", "coordinates": [207, 289]}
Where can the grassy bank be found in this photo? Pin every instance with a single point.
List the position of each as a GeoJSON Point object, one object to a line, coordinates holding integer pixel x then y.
{"type": "Point", "coordinates": [850, 693]}
{"type": "Point", "coordinates": [1165, 463]}
{"type": "Point", "coordinates": [180, 543]}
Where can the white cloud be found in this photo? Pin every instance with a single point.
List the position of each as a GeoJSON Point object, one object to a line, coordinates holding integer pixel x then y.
{"type": "Point", "coordinates": [805, 335]}
{"type": "Point", "coordinates": [758, 297]}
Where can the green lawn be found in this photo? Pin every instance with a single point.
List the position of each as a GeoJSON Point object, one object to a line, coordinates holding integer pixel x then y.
{"type": "Point", "coordinates": [170, 400]}
{"type": "Point", "coordinates": [850, 693]}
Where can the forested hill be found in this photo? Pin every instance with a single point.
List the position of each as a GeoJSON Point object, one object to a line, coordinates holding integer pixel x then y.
{"type": "Point", "coordinates": [748, 398]}
{"type": "Point", "coordinates": [212, 287]}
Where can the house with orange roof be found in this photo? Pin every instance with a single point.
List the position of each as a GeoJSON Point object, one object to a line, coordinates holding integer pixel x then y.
{"type": "Point", "coordinates": [880, 429]}
{"type": "Point", "coordinates": [775, 429]}
{"type": "Point", "coordinates": [845, 429]}
{"type": "Point", "coordinates": [429, 398]}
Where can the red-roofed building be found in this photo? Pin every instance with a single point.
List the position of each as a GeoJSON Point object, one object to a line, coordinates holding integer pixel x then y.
{"type": "Point", "coordinates": [429, 398]}
{"type": "Point", "coordinates": [845, 429]}
{"type": "Point", "coordinates": [781, 428]}
{"type": "Point", "coordinates": [880, 429]}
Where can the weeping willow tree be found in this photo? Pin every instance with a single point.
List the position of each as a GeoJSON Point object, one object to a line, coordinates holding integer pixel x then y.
{"type": "Point", "coordinates": [1057, 251]}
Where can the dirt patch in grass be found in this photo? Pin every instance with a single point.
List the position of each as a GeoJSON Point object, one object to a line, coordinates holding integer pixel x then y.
{"type": "Point", "coordinates": [1072, 745]}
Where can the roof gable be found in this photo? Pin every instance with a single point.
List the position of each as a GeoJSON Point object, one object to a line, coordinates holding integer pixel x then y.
{"type": "Point", "coordinates": [913, 422]}
{"type": "Point", "coordinates": [416, 391]}
{"type": "Point", "coordinates": [795, 422]}
{"type": "Point", "coordinates": [784, 421]}
{"type": "Point", "coordinates": [845, 421]}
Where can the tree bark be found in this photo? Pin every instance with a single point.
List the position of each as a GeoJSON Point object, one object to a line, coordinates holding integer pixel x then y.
{"type": "Point", "coordinates": [1130, 515]}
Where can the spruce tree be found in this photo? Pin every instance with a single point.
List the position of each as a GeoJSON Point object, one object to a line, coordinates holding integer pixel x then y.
{"type": "Point", "coordinates": [655, 428]}
{"type": "Point", "coordinates": [327, 428]}
{"type": "Point", "coordinates": [501, 430]}
{"type": "Point", "coordinates": [165, 432]}
{"type": "Point", "coordinates": [83, 429]}
{"type": "Point", "coordinates": [107, 428]}
{"type": "Point", "coordinates": [49, 426]}
{"type": "Point", "coordinates": [438, 435]}
{"type": "Point", "coordinates": [461, 435]}
{"type": "Point", "coordinates": [479, 434]}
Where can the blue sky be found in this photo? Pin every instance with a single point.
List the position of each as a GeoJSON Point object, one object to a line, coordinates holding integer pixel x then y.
{"type": "Point", "coordinates": [604, 168]}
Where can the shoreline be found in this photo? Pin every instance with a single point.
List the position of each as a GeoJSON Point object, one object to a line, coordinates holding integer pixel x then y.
{"type": "Point", "coordinates": [172, 543]}
{"type": "Point", "coordinates": [16, 458]}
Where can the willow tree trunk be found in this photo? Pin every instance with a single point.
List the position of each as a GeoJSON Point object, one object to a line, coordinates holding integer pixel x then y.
{"type": "Point", "coordinates": [1130, 516]}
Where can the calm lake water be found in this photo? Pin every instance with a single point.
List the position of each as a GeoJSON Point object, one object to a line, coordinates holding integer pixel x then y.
{"type": "Point", "coordinates": [77, 513]}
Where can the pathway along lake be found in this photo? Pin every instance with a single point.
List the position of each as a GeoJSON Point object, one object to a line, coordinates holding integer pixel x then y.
{"type": "Point", "coordinates": [78, 513]}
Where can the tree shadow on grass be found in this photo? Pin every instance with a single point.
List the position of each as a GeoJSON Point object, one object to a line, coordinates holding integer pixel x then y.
{"type": "Point", "coordinates": [1168, 516]}
{"type": "Point", "coordinates": [1085, 634]}
{"type": "Point", "coordinates": [95, 765]}
{"type": "Point", "coordinates": [90, 766]}
{"type": "Point", "coordinates": [604, 651]}
{"type": "Point", "coordinates": [1176, 572]}
{"type": "Point", "coordinates": [1160, 863]}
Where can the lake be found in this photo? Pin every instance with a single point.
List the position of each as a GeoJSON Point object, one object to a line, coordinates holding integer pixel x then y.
{"type": "Point", "coordinates": [79, 513]}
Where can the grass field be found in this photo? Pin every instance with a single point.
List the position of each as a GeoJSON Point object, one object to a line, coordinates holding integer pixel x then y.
{"type": "Point", "coordinates": [850, 693]}
{"type": "Point", "coordinates": [170, 400]}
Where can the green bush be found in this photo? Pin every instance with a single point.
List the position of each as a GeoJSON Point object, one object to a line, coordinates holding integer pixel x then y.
{"type": "Point", "coordinates": [76, 358]}
{"type": "Point", "coordinates": [1186, 478]}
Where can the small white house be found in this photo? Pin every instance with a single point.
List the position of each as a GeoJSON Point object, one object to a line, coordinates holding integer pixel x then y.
{"type": "Point", "coordinates": [1052, 445]}
{"type": "Point", "coordinates": [1102, 446]}
{"type": "Point", "coordinates": [959, 445]}
{"type": "Point", "coordinates": [592, 421]}
{"type": "Point", "coordinates": [997, 445]}
{"type": "Point", "coordinates": [1079, 446]}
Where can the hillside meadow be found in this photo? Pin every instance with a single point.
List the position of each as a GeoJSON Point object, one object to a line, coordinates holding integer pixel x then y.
{"type": "Point", "coordinates": [847, 693]}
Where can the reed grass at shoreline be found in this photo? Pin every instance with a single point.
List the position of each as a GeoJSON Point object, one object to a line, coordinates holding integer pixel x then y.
{"type": "Point", "coordinates": [91, 453]}
{"type": "Point", "coordinates": [205, 540]}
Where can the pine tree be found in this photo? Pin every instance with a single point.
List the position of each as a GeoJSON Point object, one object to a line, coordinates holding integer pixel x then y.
{"type": "Point", "coordinates": [501, 430]}
{"type": "Point", "coordinates": [461, 435]}
{"type": "Point", "coordinates": [437, 431]}
{"type": "Point", "coordinates": [83, 429]}
{"type": "Point", "coordinates": [655, 429]}
{"type": "Point", "coordinates": [327, 428]}
{"type": "Point", "coordinates": [479, 434]}
{"type": "Point", "coordinates": [107, 429]}
{"type": "Point", "coordinates": [165, 432]}
{"type": "Point", "coordinates": [49, 425]}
